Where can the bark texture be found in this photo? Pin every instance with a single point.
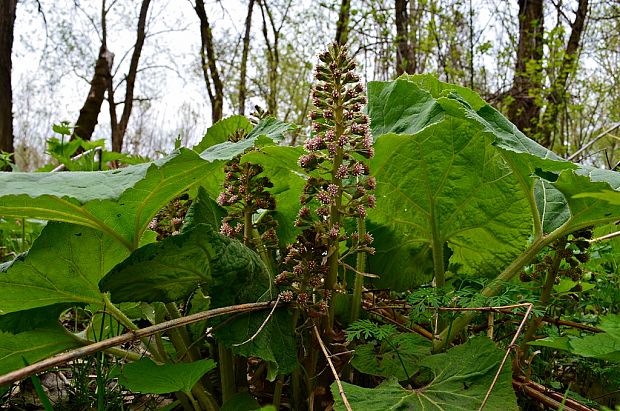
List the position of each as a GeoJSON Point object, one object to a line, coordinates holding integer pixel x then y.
{"type": "Point", "coordinates": [556, 98]}
{"type": "Point", "coordinates": [215, 87]}
{"type": "Point", "coordinates": [244, 59]}
{"type": "Point", "coordinates": [7, 24]}
{"type": "Point", "coordinates": [342, 26]}
{"type": "Point", "coordinates": [523, 110]}
{"type": "Point", "coordinates": [119, 127]}
{"type": "Point", "coordinates": [86, 122]}
{"type": "Point", "coordinates": [405, 57]}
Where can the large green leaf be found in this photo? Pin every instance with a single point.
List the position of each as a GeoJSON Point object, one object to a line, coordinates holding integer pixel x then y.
{"type": "Point", "coordinates": [222, 130]}
{"type": "Point", "coordinates": [604, 346]}
{"type": "Point", "coordinates": [444, 185]}
{"type": "Point", "coordinates": [396, 107]}
{"type": "Point", "coordinates": [171, 269]}
{"type": "Point", "coordinates": [530, 162]}
{"type": "Point", "coordinates": [452, 170]}
{"type": "Point", "coordinates": [266, 132]}
{"type": "Point", "coordinates": [553, 209]}
{"type": "Point", "coordinates": [461, 379]}
{"type": "Point", "coordinates": [146, 377]}
{"type": "Point", "coordinates": [241, 401]}
{"type": "Point", "coordinates": [120, 202]}
{"type": "Point", "coordinates": [64, 265]}
{"type": "Point", "coordinates": [397, 356]}
{"type": "Point", "coordinates": [275, 343]}
{"type": "Point", "coordinates": [39, 317]}
{"type": "Point", "coordinates": [32, 346]}
{"type": "Point", "coordinates": [204, 210]}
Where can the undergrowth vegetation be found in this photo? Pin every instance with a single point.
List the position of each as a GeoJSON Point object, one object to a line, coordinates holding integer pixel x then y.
{"type": "Point", "coordinates": [417, 252]}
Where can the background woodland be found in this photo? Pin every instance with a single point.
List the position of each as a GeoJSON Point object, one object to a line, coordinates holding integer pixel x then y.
{"type": "Point", "coordinates": [141, 75]}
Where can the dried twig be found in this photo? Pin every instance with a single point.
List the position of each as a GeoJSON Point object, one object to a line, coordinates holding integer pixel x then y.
{"type": "Point", "coordinates": [262, 325]}
{"type": "Point", "coordinates": [492, 309]}
{"type": "Point", "coordinates": [511, 346]}
{"type": "Point", "coordinates": [566, 323]}
{"type": "Point", "coordinates": [331, 365]}
{"type": "Point", "coordinates": [413, 327]}
{"type": "Point", "coordinates": [605, 237]}
{"type": "Point", "coordinates": [127, 337]}
{"type": "Point", "coordinates": [547, 396]}
{"type": "Point", "coordinates": [546, 319]}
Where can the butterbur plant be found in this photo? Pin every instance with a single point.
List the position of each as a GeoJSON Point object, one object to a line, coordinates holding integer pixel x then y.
{"type": "Point", "coordinates": [244, 195]}
{"type": "Point", "coordinates": [468, 205]}
{"type": "Point", "coordinates": [339, 188]}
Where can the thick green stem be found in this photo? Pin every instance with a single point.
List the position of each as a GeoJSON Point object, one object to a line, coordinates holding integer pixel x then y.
{"type": "Point", "coordinates": [438, 258]}
{"type": "Point", "coordinates": [205, 399]}
{"type": "Point", "coordinates": [297, 384]}
{"type": "Point", "coordinates": [199, 393]}
{"type": "Point", "coordinates": [277, 392]}
{"type": "Point", "coordinates": [359, 278]}
{"type": "Point", "coordinates": [247, 226]}
{"type": "Point", "coordinates": [190, 402]}
{"type": "Point", "coordinates": [127, 323]}
{"type": "Point", "coordinates": [227, 372]}
{"type": "Point", "coordinates": [459, 324]}
{"type": "Point", "coordinates": [191, 352]}
{"type": "Point", "coordinates": [264, 255]}
{"type": "Point", "coordinates": [333, 260]}
{"type": "Point", "coordinates": [545, 297]}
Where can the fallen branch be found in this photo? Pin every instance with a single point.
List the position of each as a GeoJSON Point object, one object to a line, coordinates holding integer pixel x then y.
{"type": "Point", "coordinates": [501, 310]}
{"type": "Point", "coordinates": [547, 396]}
{"type": "Point", "coordinates": [566, 323]}
{"type": "Point", "coordinates": [413, 327]}
{"type": "Point", "coordinates": [491, 309]}
{"type": "Point", "coordinates": [127, 337]}
{"type": "Point", "coordinates": [331, 365]}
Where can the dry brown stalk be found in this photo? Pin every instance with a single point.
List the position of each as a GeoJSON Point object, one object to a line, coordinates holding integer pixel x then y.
{"type": "Point", "coordinates": [547, 396]}
{"type": "Point", "coordinates": [511, 346]}
{"type": "Point", "coordinates": [331, 365]}
{"type": "Point", "coordinates": [127, 337]}
{"type": "Point", "coordinates": [412, 328]}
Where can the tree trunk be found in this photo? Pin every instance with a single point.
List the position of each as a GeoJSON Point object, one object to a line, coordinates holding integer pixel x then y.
{"type": "Point", "coordinates": [273, 52]}
{"type": "Point", "coordinates": [273, 59]}
{"type": "Point", "coordinates": [342, 26]}
{"type": "Point", "coordinates": [86, 122]}
{"type": "Point", "coordinates": [556, 98]}
{"type": "Point", "coordinates": [244, 59]}
{"type": "Point", "coordinates": [7, 24]}
{"type": "Point", "coordinates": [405, 59]}
{"type": "Point", "coordinates": [523, 110]}
{"type": "Point", "coordinates": [209, 66]}
{"type": "Point", "coordinates": [120, 128]}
